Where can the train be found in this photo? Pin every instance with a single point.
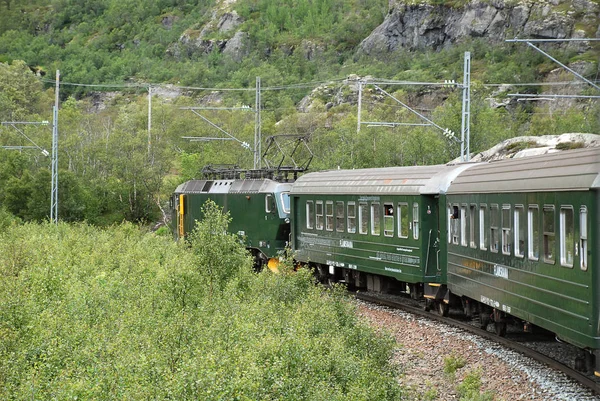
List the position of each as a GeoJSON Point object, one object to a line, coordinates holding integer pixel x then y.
{"type": "Point", "coordinates": [515, 239]}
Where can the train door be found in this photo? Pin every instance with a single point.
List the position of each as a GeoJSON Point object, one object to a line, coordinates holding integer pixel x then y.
{"type": "Point", "coordinates": [431, 238]}
{"type": "Point", "coordinates": [180, 208]}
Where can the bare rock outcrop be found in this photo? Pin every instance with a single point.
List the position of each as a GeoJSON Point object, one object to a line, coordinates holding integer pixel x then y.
{"type": "Point", "coordinates": [426, 26]}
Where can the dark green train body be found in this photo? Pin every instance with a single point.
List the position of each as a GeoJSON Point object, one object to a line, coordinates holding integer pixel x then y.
{"type": "Point", "coordinates": [372, 224]}
{"type": "Point", "coordinates": [259, 211]}
{"type": "Point", "coordinates": [524, 242]}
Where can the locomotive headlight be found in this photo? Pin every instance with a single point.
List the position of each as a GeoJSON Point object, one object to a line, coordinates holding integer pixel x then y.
{"type": "Point", "coordinates": [262, 243]}
{"type": "Point", "coordinates": [287, 220]}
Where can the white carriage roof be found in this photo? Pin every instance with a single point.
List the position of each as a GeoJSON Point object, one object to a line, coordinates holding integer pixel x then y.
{"type": "Point", "coordinates": [574, 170]}
{"type": "Point", "coordinates": [413, 180]}
{"type": "Point", "coordinates": [231, 186]}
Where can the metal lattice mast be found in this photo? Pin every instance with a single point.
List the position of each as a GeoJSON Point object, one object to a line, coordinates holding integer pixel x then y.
{"type": "Point", "coordinates": [465, 138]}
{"type": "Point", "coordinates": [54, 190]}
{"type": "Point", "coordinates": [257, 132]}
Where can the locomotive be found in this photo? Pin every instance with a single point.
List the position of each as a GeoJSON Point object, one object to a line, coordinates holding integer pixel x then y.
{"type": "Point", "coordinates": [512, 239]}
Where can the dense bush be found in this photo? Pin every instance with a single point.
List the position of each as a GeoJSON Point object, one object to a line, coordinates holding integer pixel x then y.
{"type": "Point", "coordinates": [118, 314]}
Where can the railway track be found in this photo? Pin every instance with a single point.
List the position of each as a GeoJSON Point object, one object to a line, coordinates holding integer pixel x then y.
{"type": "Point", "coordinates": [582, 379]}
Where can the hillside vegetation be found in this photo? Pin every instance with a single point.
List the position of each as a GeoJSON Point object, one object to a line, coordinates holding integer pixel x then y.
{"type": "Point", "coordinates": [308, 54]}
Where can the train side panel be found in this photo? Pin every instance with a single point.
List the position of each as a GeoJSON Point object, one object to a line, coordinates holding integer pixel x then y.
{"type": "Point", "coordinates": [257, 215]}
{"type": "Point", "coordinates": [523, 241]}
{"type": "Point", "coordinates": [384, 235]}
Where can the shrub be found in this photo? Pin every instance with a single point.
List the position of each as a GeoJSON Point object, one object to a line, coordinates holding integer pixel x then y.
{"type": "Point", "coordinates": [118, 314]}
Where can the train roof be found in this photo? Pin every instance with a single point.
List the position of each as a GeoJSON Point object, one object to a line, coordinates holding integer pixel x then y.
{"type": "Point", "coordinates": [412, 180]}
{"type": "Point", "coordinates": [574, 170]}
{"type": "Point", "coordinates": [231, 186]}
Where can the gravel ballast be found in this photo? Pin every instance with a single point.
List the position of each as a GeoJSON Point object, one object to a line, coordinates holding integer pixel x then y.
{"type": "Point", "coordinates": [425, 346]}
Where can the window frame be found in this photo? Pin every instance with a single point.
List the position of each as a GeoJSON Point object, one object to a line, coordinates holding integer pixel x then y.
{"type": "Point", "coordinates": [400, 215]}
{"type": "Point", "coordinates": [463, 225]}
{"type": "Point", "coordinates": [484, 239]}
{"type": "Point", "coordinates": [519, 229]}
{"type": "Point", "coordinates": [329, 215]}
{"type": "Point", "coordinates": [549, 237]}
{"type": "Point", "coordinates": [340, 226]}
{"type": "Point", "coordinates": [363, 218]}
{"type": "Point", "coordinates": [473, 225]}
{"type": "Point", "coordinates": [319, 217]}
{"type": "Point", "coordinates": [533, 232]}
{"type": "Point", "coordinates": [375, 218]}
{"type": "Point", "coordinates": [583, 238]}
{"type": "Point", "coordinates": [416, 226]}
{"type": "Point", "coordinates": [564, 236]}
{"type": "Point", "coordinates": [351, 218]}
{"type": "Point", "coordinates": [269, 203]}
{"type": "Point", "coordinates": [455, 222]}
{"type": "Point", "coordinates": [310, 214]}
{"type": "Point", "coordinates": [505, 236]}
{"type": "Point", "coordinates": [388, 214]}
{"type": "Point", "coordinates": [495, 226]}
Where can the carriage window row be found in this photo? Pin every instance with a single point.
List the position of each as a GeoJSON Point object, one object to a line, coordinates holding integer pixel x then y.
{"type": "Point", "coordinates": [394, 220]}
{"type": "Point", "coordinates": [507, 229]}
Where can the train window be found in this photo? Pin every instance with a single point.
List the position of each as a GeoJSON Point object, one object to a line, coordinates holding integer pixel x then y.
{"type": "Point", "coordinates": [363, 218]}
{"type": "Point", "coordinates": [463, 225]}
{"type": "Point", "coordinates": [285, 201]}
{"type": "Point", "coordinates": [548, 233]}
{"type": "Point", "coordinates": [415, 220]}
{"type": "Point", "coordinates": [375, 219]}
{"type": "Point", "coordinates": [388, 219]}
{"type": "Point", "coordinates": [339, 216]}
{"type": "Point", "coordinates": [494, 225]}
{"type": "Point", "coordinates": [519, 216]}
{"type": "Point", "coordinates": [567, 236]}
{"type": "Point", "coordinates": [319, 215]}
{"type": "Point", "coordinates": [310, 215]}
{"type": "Point", "coordinates": [506, 228]}
{"type": "Point", "coordinates": [329, 215]}
{"type": "Point", "coordinates": [351, 217]}
{"type": "Point", "coordinates": [483, 228]}
{"type": "Point", "coordinates": [403, 220]}
{"type": "Point", "coordinates": [583, 245]}
{"type": "Point", "coordinates": [269, 203]}
{"type": "Point", "coordinates": [533, 230]}
{"type": "Point", "coordinates": [449, 223]}
{"type": "Point", "coordinates": [455, 221]}
{"type": "Point", "coordinates": [472, 226]}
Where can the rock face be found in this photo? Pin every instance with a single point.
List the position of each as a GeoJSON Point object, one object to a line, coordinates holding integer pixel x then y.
{"type": "Point", "coordinates": [195, 42]}
{"type": "Point", "coordinates": [425, 26]}
{"type": "Point", "coordinates": [524, 146]}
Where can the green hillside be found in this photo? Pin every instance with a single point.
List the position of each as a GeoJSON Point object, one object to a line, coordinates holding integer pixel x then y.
{"type": "Point", "coordinates": [308, 56]}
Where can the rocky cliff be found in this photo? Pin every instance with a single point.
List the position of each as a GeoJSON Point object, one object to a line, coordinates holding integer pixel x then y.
{"type": "Point", "coordinates": [426, 26]}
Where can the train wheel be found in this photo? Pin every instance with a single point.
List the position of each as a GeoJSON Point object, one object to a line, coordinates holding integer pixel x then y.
{"type": "Point", "coordinates": [443, 308]}
{"type": "Point", "coordinates": [484, 320]}
{"type": "Point", "coordinates": [500, 328]}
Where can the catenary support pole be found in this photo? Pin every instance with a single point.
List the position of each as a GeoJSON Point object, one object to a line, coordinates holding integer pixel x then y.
{"type": "Point", "coordinates": [465, 146]}
{"type": "Point", "coordinates": [54, 174]}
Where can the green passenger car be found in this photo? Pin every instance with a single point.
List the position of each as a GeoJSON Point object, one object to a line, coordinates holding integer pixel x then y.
{"type": "Point", "coordinates": [374, 228]}
{"type": "Point", "coordinates": [259, 210]}
{"type": "Point", "coordinates": [524, 241]}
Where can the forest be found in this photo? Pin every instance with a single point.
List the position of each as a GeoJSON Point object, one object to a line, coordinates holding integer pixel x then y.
{"type": "Point", "coordinates": [113, 168]}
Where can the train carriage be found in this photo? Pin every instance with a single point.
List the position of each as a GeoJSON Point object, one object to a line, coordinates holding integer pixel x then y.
{"type": "Point", "coordinates": [374, 228]}
{"type": "Point", "coordinates": [524, 241]}
{"type": "Point", "coordinates": [259, 211]}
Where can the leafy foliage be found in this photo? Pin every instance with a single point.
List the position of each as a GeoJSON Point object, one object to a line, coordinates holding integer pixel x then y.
{"type": "Point", "coordinates": [115, 313]}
